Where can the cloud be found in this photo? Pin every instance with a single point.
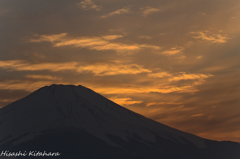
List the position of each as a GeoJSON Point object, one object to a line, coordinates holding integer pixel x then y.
{"type": "Point", "coordinates": [124, 101]}
{"type": "Point", "coordinates": [113, 69]}
{"type": "Point", "coordinates": [173, 51]}
{"type": "Point", "coordinates": [133, 89]}
{"type": "Point", "coordinates": [112, 37]}
{"type": "Point", "coordinates": [88, 4]}
{"type": "Point", "coordinates": [109, 69]}
{"type": "Point", "coordinates": [24, 85]}
{"type": "Point", "coordinates": [163, 103]}
{"type": "Point", "coordinates": [160, 74]}
{"type": "Point", "coordinates": [124, 10]}
{"type": "Point", "coordinates": [5, 100]}
{"type": "Point", "coordinates": [50, 38]}
{"type": "Point", "coordinates": [149, 10]}
{"type": "Point", "coordinates": [185, 76]}
{"type": "Point", "coordinates": [179, 76]}
{"type": "Point", "coordinates": [92, 43]}
{"type": "Point", "coordinates": [167, 85]}
{"type": "Point", "coordinates": [214, 38]}
{"type": "Point", "coordinates": [145, 37]}
{"type": "Point", "coordinates": [43, 77]}
{"type": "Point", "coordinates": [199, 57]}
{"type": "Point", "coordinates": [197, 115]}
{"type": "Point", "coordinates": [217, 68]}
{"type": "Point", "coordinates": [147, 89]}
{"type": "Point", "coordinates": [21, 65]}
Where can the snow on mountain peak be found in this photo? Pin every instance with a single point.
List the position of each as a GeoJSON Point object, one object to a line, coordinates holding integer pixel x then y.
{"type": "Point", "coordinates": [69, 106]}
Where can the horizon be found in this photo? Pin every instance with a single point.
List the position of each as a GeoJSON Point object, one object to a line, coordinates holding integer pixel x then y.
{"type": "Point", "coordinates": [175, 62]}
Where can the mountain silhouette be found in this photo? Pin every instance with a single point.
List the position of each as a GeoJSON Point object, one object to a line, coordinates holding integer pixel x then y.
{"type": "Point", "coordinates": [81, 124]}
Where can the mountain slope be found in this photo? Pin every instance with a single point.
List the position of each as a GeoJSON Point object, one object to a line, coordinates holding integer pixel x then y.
{"type": "Point", "coordinates": [80, 123]}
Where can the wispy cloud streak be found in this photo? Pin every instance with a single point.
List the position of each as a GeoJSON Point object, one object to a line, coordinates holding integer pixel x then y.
{"type": "Point", "coordinates": [89, 4]}
{"type": "Point", "coordinates": [214, 38]}
{"type": "Point", "coordinates": [124, 101]}
{"type": "Point", "coordinates": [124, 10]}
{"type": "Point", "coordinates": [92, 43]}
{"type": "Point", "coordinates": [97, 69]}
{"type": "Point", "coordinates": [149, 10]}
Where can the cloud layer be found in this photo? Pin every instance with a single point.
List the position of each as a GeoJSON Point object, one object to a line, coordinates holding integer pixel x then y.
{"type": "Point", "coordinates": [176, 62]}
{"type": "Point", "coordinates": [93, 43]}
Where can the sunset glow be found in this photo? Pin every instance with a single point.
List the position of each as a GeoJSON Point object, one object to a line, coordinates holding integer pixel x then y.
{"type": "Point", "coordinates": [176, 62]}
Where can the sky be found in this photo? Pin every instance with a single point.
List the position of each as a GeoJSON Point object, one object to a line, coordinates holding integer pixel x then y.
{"type": "Point", "coordinates": [176, 62]}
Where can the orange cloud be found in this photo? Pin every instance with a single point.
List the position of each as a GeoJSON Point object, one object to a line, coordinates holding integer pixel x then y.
{"type": "Point", "coordinates": [113, 69]}
{"type": "Point", "coordinates": [163, 103]}
{"type": "Point", "coordinates": [124, 101]}
{"type": "Point", "coordinates": [21, 65]}
{"type": "Point", "coordinates": [214, 38]}
{"type": "Point", "coordinates": [44, 77]}
{"type": "Point", "coordinates": [199, 57]}
{"type": "Point", "coordinates": [5, 100]}
{"type": "Point", "coordinates": [160, 74]}
{"type": "Point", "coordinates": [145, 37]}
{"type": "Point", "coordinates": [181, 76]}
{"type": "Point", "coordinates": [50, 38]}
{"type": "Point", "coordinates": [110, 69]}
{"type": "Point", "coordinates": [88, 4]}
{"type": "Point", "coordinates": [112, 37]}
{"type": "Point", "coordinates": [117, 12]}
{"type": "Point", "coordinates": [92, 43]}
{"type": "Point", "coordinates": [145, 89]}
{"type": "Point", "coordinates": [173, 51]}
{"type": "Point", "coordinates": [31, 86]}
{"type": "Point", "coordinates": [24, 85]}
{"type": "Point", "coordinates": [97, 69]}
{"type": "Point", "coordinates": [185, 76]}
{"type": "Point", "coordinates": [197, 115]}
{"type": "Point", "coordinates": [149, 10]}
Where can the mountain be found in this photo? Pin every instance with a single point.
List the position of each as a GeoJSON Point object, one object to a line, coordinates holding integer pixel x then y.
{"type": "Point", "coordinates": [81, 124]}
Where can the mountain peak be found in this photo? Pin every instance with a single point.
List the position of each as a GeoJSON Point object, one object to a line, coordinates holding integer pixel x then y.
{"type": "Point", "coordinates": [59, 106]}
{"type": "Point", "coordinates": [65, 92]}
{"type": "Point", "coordinates": [68, 108]}
{"type": "Point", "coordinates": [63, 86]}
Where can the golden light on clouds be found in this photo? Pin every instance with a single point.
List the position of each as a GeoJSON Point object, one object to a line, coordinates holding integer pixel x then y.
{"type": "Point", "coordinates": [4, 100]}
{"type": "Point", "coordinates": [206, 36]}
{"type": "Point", "coordinates": [163, 103]}
{"type": "Point", "coordinates": [160, 74]}
{"type": "Point", "coordinates": [24, 85]}
{"type": "Point", "coordinates": [97, 69]}
{"type": "Point", "coordinates": [50, 38]}
{"type": "Point", "coordinates": [185, 76]}
{"type": "Point", "coordinates": [21, 65]}
{"type": "Point", "coordinates": [173, 51]}
{"type": "Point", "coordinates": [93, 43]}
{"type": "Point", "coordinates": [124, 101]}
{"type": "Point", "coordinates": [147, 89]}
{"type": "Point", "coordinates": [117, 12]}
{"type": "Point", "coordinates": [112, 37]}
{"type": "Point", "coordinates": [168, 60]}
{"type": "Point", "coordinates": [88, 4]}
{"type": "Point", "coordinates": [43, 77]}
{"type": "Point", "coordinates": [180, 76]}
{"type": "Point", "coordinates": [113, 69]}
{"type": "Point", "coordinates": [149, 10]}
{"type": "Point", "coordinates": [197, 115]}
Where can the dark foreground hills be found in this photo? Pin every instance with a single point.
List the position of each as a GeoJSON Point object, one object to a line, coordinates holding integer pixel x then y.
{"type": "Point", "coordinates": [74, 122]}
